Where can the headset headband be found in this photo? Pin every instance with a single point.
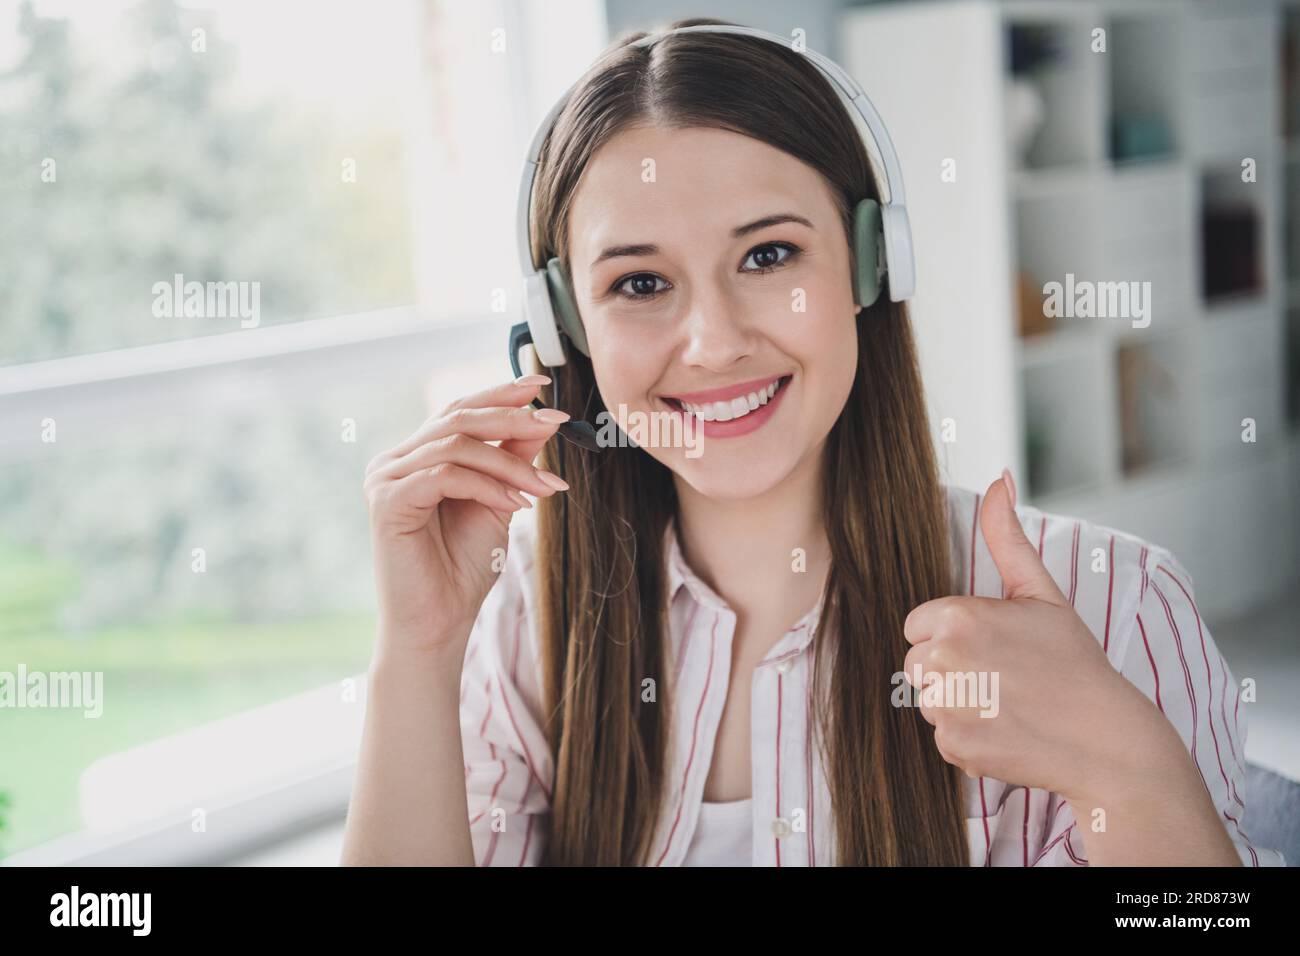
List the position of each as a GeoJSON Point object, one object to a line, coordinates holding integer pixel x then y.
{"type": "Point", "coordinates": [847, 88]}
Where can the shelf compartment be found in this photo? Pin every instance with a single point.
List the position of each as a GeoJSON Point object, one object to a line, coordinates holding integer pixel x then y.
{"type": "Point", "coordinates": [1046, 251]}
{"type": "Point", "coordinates": [1067, 445]}
{"type": "Point", "coordinates": [1054, 92]}
{"type": "Point", "coordinates": [1232, 237]}
{"type": "Point", "coordinates": [1144, 87]}
{"type": "Point", "coordinates": [1149, 235]}
{"type": "Point", "coordinates": [1153, 386]}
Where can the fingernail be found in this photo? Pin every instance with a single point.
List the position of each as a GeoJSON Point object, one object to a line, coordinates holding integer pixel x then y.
{"type": "Point", "coordinates": [1011, 485]}
{"type": "Point", "coordinates": [532, 380]}
{"type": "Point", "coordinates": [552, 416]}
{"type": "Point", "coordinates": [518, 499]}
{"type": "Point", "coordinates": [555, 481]}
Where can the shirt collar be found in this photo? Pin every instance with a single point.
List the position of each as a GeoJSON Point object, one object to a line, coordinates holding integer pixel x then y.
{"type": "Point", "coordinates": [681, 576]}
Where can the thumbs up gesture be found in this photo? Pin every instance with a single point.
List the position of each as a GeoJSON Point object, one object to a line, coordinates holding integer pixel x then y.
{"type": "Point", "coordinates": [1049, 704]}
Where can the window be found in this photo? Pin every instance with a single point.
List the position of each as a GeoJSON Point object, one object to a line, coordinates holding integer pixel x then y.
{"type": "Point", "coordinates": [181, 465]}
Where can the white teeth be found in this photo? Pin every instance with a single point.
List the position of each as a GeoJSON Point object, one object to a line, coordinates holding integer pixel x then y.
{"type": "Point", "coordinates": [733, 409]}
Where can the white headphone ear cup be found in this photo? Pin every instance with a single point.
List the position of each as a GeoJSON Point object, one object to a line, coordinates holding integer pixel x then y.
{"type": "Point", "coordinates": [541, 320]}
{"type": "Point", "coordinates": [899, 261]}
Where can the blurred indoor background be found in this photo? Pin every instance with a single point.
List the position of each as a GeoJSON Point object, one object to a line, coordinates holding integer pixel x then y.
{"type": "Point", "coordinates": [180, 497]}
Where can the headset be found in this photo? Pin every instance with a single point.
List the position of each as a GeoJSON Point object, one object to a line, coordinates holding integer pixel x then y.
{"type": "Point", "coordinates": [882, 234]}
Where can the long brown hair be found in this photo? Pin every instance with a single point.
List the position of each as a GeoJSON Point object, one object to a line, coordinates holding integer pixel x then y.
{"type": "Point", "coordinates": [895, 800]}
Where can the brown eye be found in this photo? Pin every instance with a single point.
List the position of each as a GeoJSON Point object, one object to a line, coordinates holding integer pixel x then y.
{"type": "Point", "coordinates": [639, 286]}
{"type": "Point", "coordinates": [769, 256]}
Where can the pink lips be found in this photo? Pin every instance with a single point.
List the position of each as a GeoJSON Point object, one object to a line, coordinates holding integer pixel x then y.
{"type": "Point", "coordinates": [727, 392]}
{"type": "Point", "coordinates": [736, 426]}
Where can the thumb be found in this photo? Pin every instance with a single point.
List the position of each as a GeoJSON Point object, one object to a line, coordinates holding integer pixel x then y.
{"type": "Point", "coordinates": [1022, 570]}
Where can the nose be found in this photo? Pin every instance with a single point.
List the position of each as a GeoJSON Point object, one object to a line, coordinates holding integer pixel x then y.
{"type": "Point", "coordinates": [717, 329]}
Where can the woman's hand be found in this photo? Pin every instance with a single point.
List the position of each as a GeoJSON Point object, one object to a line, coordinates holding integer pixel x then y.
{"type": "Point", "coordinates": [440, 505]}
{"type": "Point", "coordinates": [1060, 717]}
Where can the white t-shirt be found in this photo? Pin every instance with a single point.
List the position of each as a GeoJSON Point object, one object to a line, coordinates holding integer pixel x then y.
{"type": "Point", "coordinates": [724, 835]}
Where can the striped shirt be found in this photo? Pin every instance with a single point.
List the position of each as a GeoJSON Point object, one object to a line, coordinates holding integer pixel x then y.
{"type": "Point", "coordinates": [1134, 596]}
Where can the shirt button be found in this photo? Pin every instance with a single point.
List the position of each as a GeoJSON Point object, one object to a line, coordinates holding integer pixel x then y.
{"type": "Point", "coordinates": [780, 828]}
{"type": "Point", "coordinates": [783, 667]}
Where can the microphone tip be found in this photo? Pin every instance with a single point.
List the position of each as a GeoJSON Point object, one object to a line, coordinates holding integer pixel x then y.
{"type": "Point", "coordinates": [581, 434]}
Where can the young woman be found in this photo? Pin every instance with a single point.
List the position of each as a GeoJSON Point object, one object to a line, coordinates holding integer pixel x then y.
{"type": "Point", "coordinates": [707, 659]}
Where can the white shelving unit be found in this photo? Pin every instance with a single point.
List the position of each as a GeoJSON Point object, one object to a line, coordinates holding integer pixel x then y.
{"type": "Point", "coordinates": [1133, 175]}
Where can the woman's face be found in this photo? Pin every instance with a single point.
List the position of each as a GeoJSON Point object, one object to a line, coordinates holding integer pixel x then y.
{"type": "Point", "coordinates": [711, 268]}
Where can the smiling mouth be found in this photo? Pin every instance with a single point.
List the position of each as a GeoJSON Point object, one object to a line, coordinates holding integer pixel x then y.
{"type": "Point", "coordinates": [730, 409]}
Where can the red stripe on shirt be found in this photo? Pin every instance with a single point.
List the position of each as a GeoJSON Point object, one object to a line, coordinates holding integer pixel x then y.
{"type": "Point", "coordinates": [492, 748]}
{"type": "Point", "coordinates": [1187, 672]}
{"type": "Point", "coordinates": [1057, 839]}
{"type": "Point", "coordinates": [1209, 682]}
{"type": "Point", "coordinates": [523, 744]}
{"type": "Point", "coordinates": [777, 840]}
{"type": "Point", "coordinates": [808, 765]}
{"type": "Point", "coordinates": [695, 730]}
{"type": "Point", "coordinates": [1208, 678]}
{"type": "Point", "coordinates": [1232, 792]}
{"type": "Point", "coordinates": [1223, 713]}
{"type": "Point", "coordinates": [487, 714]}
{"type": "Point", "coordinates": [1254, 858]}
{"type": "Point", "coordinates": [1081, 861]}
{"type": "Point", "coordinates": [528, 833]}
{"type": "Point", "coordinates": [1024, 830]}
{"type": "Point", "coordinates": [528, 838]}
{"type": "Point", "coordinates": [1191, 691]}
{"type": "Point", "coordinates": [1154, 672]}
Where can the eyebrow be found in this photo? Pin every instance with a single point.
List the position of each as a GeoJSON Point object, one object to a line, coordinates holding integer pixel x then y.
{"type": "Point", "coordinates": [650, 249]}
